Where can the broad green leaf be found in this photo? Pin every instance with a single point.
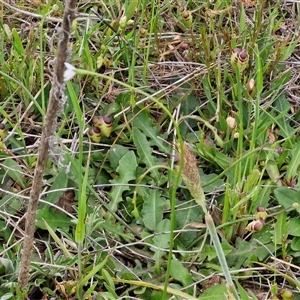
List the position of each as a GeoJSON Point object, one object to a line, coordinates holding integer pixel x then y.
{"type": "Point", "coordinates": [292, 167]}
{"type": "Point", "coordinates": [54, 219]}
{"type": "Point", "coordinates": [5, 230]}
{"type": "Point", "coordinates": [143, 122]}
{"type": "Point", "coordinates": [188, 103]}
{"type": "Point", "coordinates": [12, 204]}
{"type": "Point", "coordinates": [186, 214]}
{"type": "Point", "coordinates": [294, 227]}
{"type": "Point", "coordinates": [115, 154]}
{"type": "Point", "coordinates": [245, 252]}
{"type": "Point", "coordinates": [180, 273]}
{"type": "Point", "coordinates": [216, 292]}
{"type": "Point", "coordinates": [153, 207]}
{"type": "Point", "coordinates": [14, 171]}
{"type": "Point", "coordinates": [6, 266]}
{"type": "Point", "coordinates": [60, 182]}
{"type": "Point", "coordinates": [126, 170]}
{"type": "Point", "coordinates": [145, 151]}
{"type": "Point", "coordinates": [218, 184]}
{"type": "Point", "coordinates": [161, 239]}
{"type": "Point", "coordinates": [295, 244]}
{"type": "Point", "coordinates": [209, 251]}
{"type": "Point", "coordinates": [287, 197]}
{"type": "Point", "coordinates": [261, 243]}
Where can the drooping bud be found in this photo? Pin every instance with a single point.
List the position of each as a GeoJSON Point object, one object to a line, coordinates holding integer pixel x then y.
{"type": "Point", "coordinates": [2, 131]}
{"type": "Point", "coordinates": [187, 16]}
{"type": "Point", "coordinates": [286, 294]}
{"type": "Point", "coordinates": [255, 226]}
{"type": "Point", "coordinates": [123, 22]}
{"type": "Point", "coordinates": [104, 123]}
{"type": "Point", "coordinates": [95, 134]}
{"type": "Point", "coordinates": [231, 122]}
{"type": "Point", "coordinates": [261, 213]}
{"type": "Point", "coordinates": [240, 59]}
{"type": "Point", "coordinates": [143, 31]}
{"type": "Point", "coordinates": [250, 87]}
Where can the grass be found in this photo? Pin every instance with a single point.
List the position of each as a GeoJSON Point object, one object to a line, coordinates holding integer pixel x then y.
{"type": "Point", "coordinates": [117, 217]}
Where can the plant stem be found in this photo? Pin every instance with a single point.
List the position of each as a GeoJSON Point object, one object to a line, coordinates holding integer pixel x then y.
{"type": "Point", "coordinates": [55, 105]}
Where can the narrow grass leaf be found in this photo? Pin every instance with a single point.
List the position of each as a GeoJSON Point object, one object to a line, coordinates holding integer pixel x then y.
{"type": "Point", "coordinates": [293, 166]}
{"type": "Point", "coordinates": [17, 43]}
{"type": "Point", "coordinates": [58, 241]}
{"type": "Point", "coordinates": [280, 231]}
{"type": "Point", "coordinates": [130, 7]}
{"type": "Point", "coordinates": [14, 171]}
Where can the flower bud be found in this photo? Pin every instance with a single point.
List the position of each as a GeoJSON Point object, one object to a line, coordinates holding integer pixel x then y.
{"type": "Point", "coordinates": [187, 16]}
{"type": "Point", "coordinates": [240, 59]}
{"type": "Point", "coordinates": [2, 131]}
{"type": "Point", "coordinates": [104, 123]}
{"type": "Point", "coordinates": [250, 87]}
{"type": "Point", "coordinates": [95, 134]}
{"type": "Point", "coordinates": [130, 22]}
{"type": "Point", "coordinates": [255, 226]}
{"type": "Point", "coordinates": [236, 135]}
{"type": "Point", "coordinates": [261, 213]}
{"type": "Point", "coordinates": [123, 22]}
{"type": "Point", "coordinates": [143, 31]}
{"type": "Point", "coordinates": [231, 122]}
{"type": "Point", "coordinates": [286, 294]}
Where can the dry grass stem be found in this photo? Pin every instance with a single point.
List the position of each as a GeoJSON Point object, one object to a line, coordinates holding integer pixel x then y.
{"type": "Point", "coordinates": [55, 104]}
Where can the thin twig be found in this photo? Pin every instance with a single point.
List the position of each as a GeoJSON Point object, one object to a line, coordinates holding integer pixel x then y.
{"type": "Point", "coordinates": [55, 105]}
